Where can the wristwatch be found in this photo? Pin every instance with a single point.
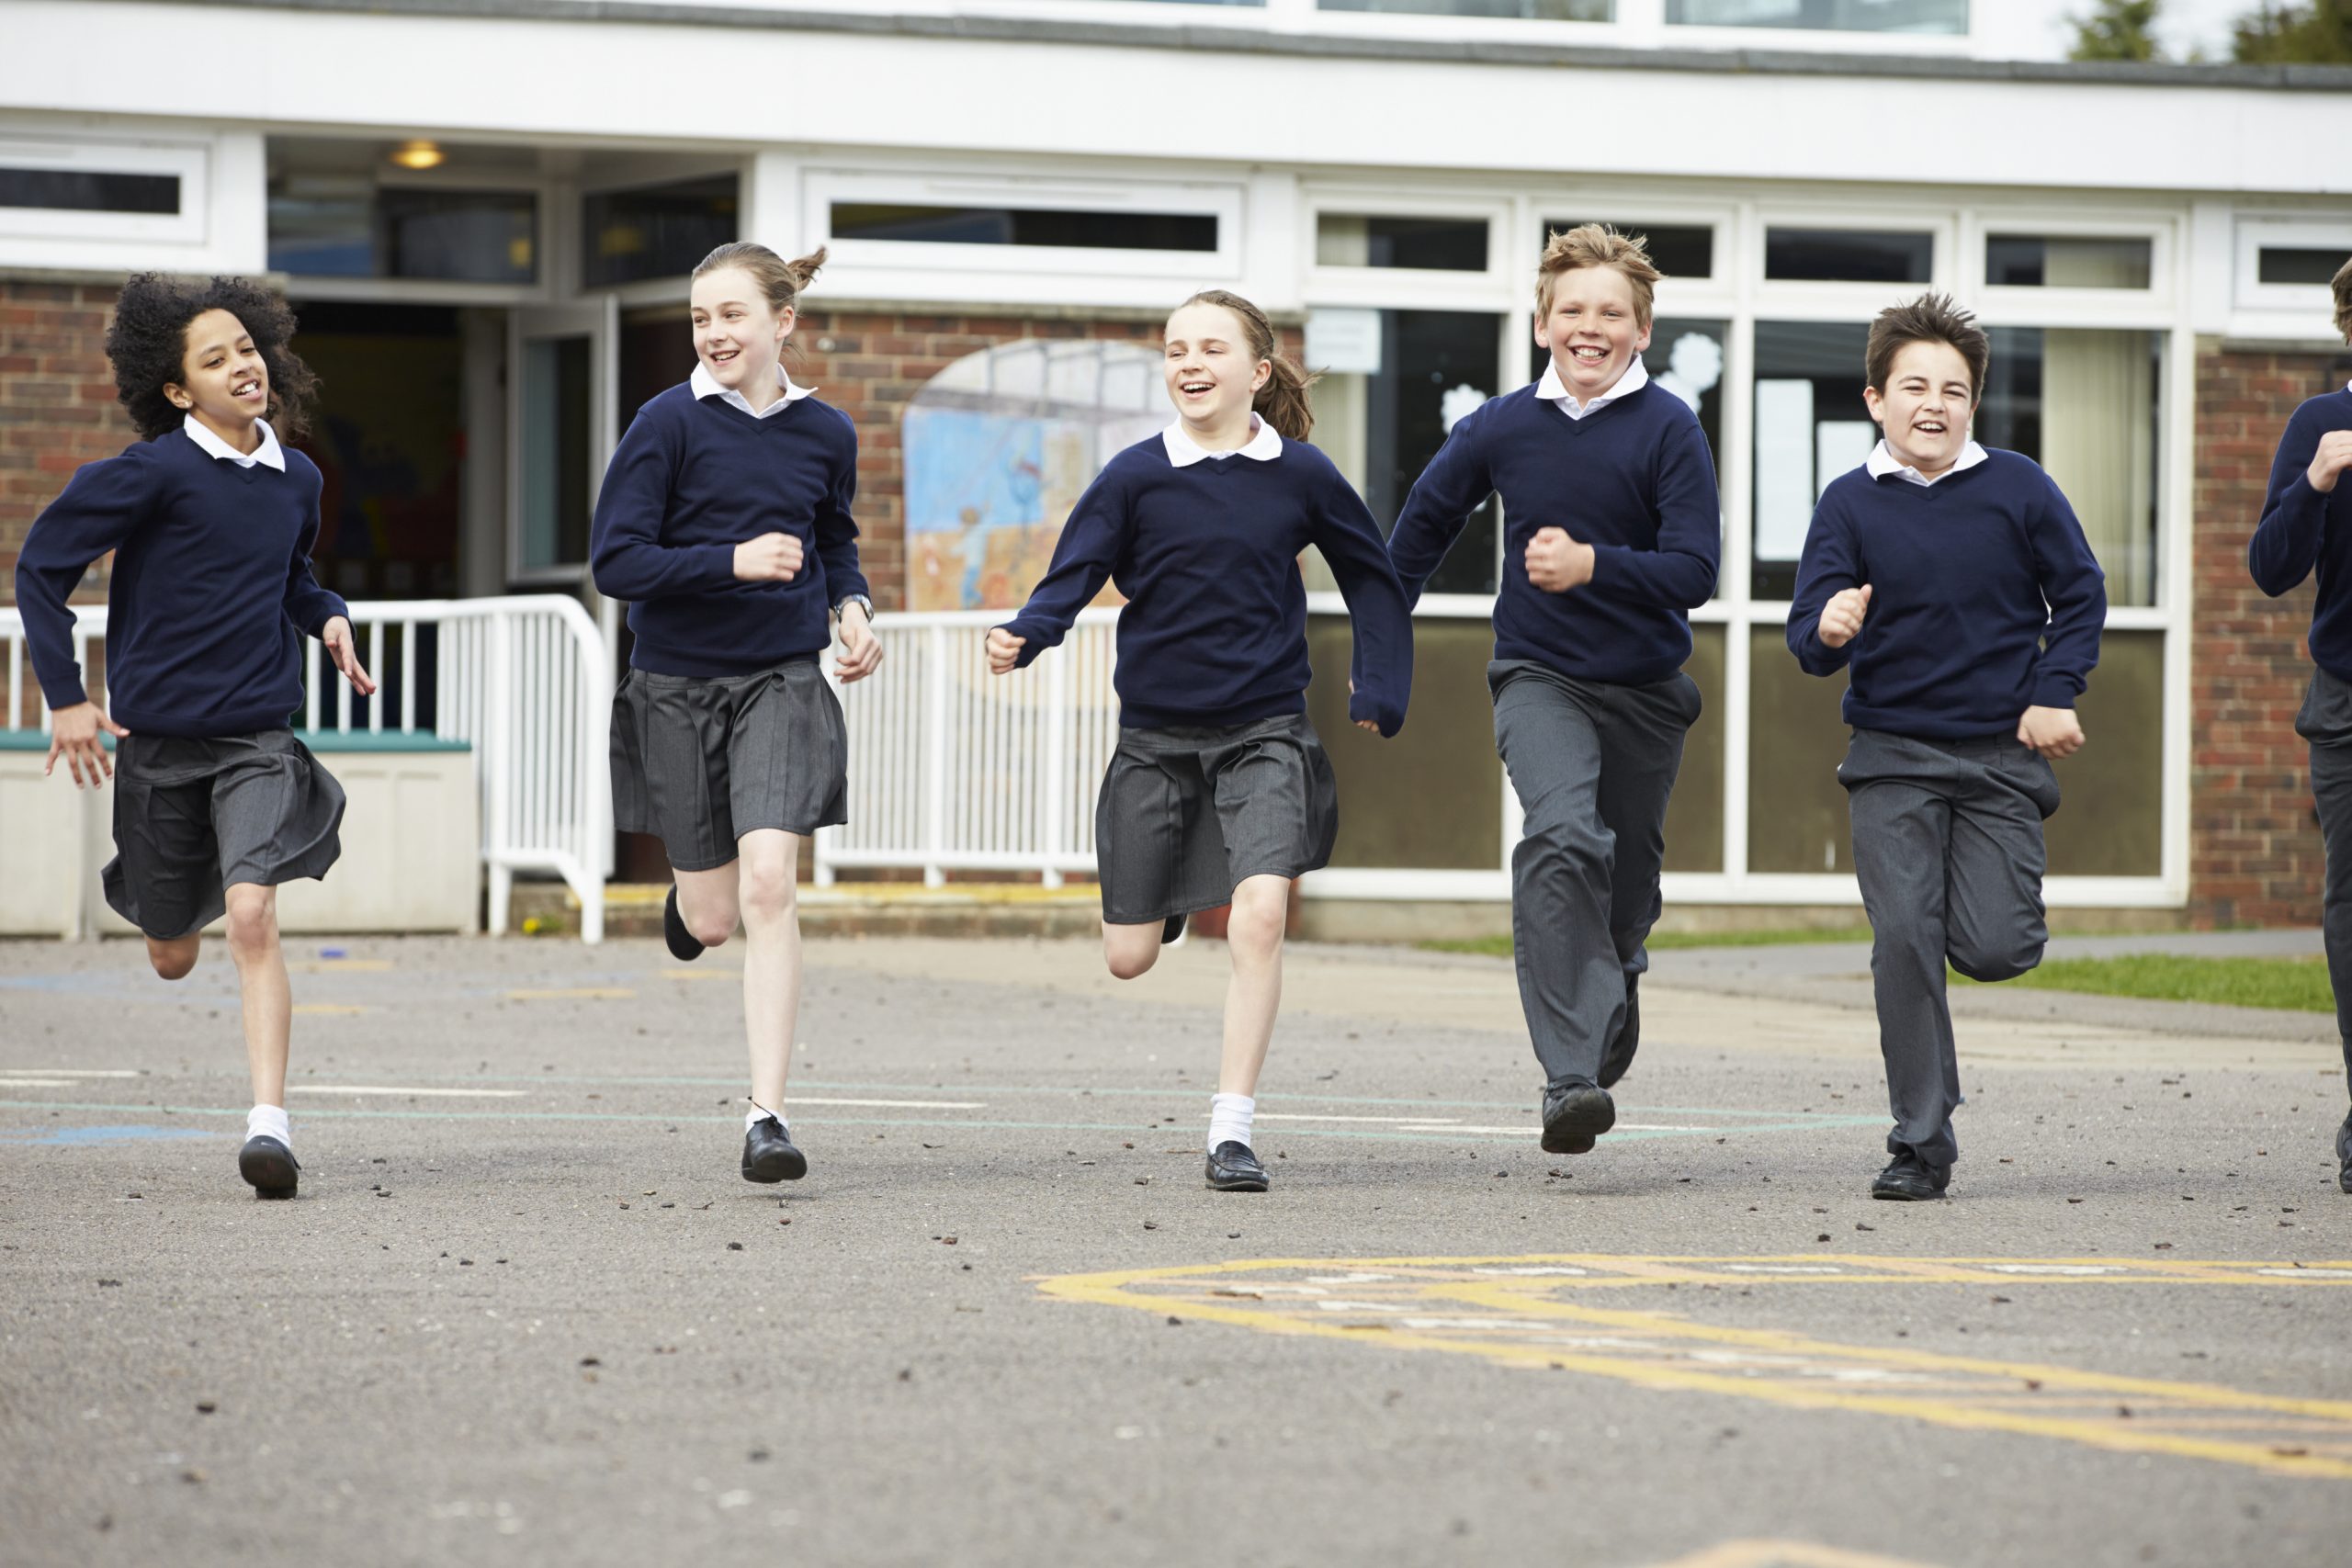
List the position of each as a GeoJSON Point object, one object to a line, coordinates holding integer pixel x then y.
{"type": "Point", "coordinates": [860, 599]}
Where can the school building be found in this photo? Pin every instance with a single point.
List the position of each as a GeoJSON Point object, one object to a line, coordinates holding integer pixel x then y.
{"type": "Point", "coordinates": [485, 212]}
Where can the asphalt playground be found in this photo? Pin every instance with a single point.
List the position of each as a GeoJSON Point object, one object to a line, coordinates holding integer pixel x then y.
{"type": "Point", "coordinates": [524, 1310]}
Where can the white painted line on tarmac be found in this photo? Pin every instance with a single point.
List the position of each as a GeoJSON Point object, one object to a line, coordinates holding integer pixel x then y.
{"type": "Point", "coordinates": [890, 1104]}
{"type": "Point", "coordinates": [393, 1089]}
{"type": "Point", "coordinates": [73, 1072]}
{"type": "Point", "coordinates": [36, 1083]}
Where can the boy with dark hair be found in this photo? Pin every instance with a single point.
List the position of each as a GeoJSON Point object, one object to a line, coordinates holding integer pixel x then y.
{"type": "Point", "coordinates": [1958, 585]}
{"type": "Point", "coordinates": [2306, 526]}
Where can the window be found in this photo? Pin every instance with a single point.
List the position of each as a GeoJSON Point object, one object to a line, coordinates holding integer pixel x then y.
{"type": "Point", "coordinates": [1848, 255]}
{"type": "Point", "coordinates": [1529, 10]}
{"type": "Point", "coordinates": [1811, 426]}
{"type": "Point", "coordinates": [2036, 261]}
{"type": "Point", "coordinates": [2299, 263]}
{"type": "Point", "coordinates": [1842, 16]}
{"type": "Point", "coordinates": [656, 231]}
{"type": "Point", "coordinates": [923, 223]}
{"type": "Point", "coordinates": [341, 226]}
{"type": "Point", "coordinates": [1433, 244]}
{"type": "Point", "coordinates": [553, 463]}
{"type": "Point", "coordinates": [1678, 250]}
{"type": "Point", "coordinates": [89, 190]}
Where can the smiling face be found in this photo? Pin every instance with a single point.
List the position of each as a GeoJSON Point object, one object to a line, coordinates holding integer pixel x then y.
{"type": "Point", "coordinates": [1591, 328]}
{"type": "Point", "coordinates": [738, 334]}
{"type": "Point", "coordinates": [1925, 407]}
{"type": "Point", "coordinates": [223, 380]}
{"type": "Point", "coordinates": [1213, 376]}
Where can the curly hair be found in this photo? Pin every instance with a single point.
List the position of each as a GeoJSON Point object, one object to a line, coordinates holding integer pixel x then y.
{"type": "Point", "coordinates": [147, 344]}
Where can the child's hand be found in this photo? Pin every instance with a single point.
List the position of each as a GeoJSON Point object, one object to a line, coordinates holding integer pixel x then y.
{"type": "Point", "coordinates": [2335, 455]}
{"type": "Point", "coordinates": [1371, 724]}
{"type": "Point", "coordinates": [1004, 650]}
{"type": "Point", "coordinates": [860, 653]}
{"type": "Point", "coordinates": [2053, 732]}
{"type": "Point", "coordinates": [1841, 619]}
{"type": "Point", "coordinates": [74, 735]}
{"type": "Point", "coordinates": [344, 651]}
{"type": "Point", "coordinates": [1556, 563]}
{"type": "Point", "coordinates": [771, 557]}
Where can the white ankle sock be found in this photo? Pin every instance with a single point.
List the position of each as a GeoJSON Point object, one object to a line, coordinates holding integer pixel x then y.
{"type": "Point", "coordinates": [269, 1122]}
{"type": "Point", "coordinates": [754, 1116]}
{"type": "Point", "coordinates": [1229, 1117]}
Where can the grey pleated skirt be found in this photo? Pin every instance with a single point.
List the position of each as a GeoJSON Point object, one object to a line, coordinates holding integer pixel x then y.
{"type": "Point", "coordinates": [1186, 814]}
{"type": "Point", "coordinates": [195, 816]}
{"type": "Point", "coordinates": [700, 760]}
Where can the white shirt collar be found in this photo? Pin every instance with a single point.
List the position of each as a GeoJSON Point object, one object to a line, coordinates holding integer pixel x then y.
{"type": "Point", "coordinates": [1554, 391]}
{"type": "Point", "coordinates": [269, 453]}
{"type": "Point", "coordinates": [1883, 463]}
{"type": "Point", "coordinates": [1265, 444]}
{"type": "Point", "coordinates": [705, 385]}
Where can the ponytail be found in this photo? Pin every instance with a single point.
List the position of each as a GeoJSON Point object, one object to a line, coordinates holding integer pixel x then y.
{"type": "Point", "coordinates": [1282, 401]}
{"type": "Point", "coordinates": [780, 280]}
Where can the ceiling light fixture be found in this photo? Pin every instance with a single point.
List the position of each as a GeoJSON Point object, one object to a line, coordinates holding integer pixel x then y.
{"type": "Point", "coordinates": [418, 154]}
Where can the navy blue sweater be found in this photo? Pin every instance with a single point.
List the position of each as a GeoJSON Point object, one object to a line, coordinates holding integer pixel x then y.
{"type": "Point", "coordinates": [1632, 479]}
{"type": "Point", "coordinates": [1214, 632]}
{"type": "Point", "coordinates": [2302, 528]}
{"type": "Point", "coordinates": [692, 479]}
{"type": "Point", "coordinates": [1984, 598]}
{"type": "Point", "coordinates": [212, 593]}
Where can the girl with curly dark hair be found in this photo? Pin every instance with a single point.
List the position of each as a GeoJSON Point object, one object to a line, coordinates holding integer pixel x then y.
{"type": "Point", "coordinates": [211, 522]}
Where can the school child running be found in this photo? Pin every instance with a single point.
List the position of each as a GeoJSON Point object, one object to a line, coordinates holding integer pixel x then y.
{"type": "Point", "coordinates": [1957, 586]}
{"type": "Point", "coordinates": [1612, 528]}
{"type": "Point", "coordinates": [2307, 527]}
{"type": "Point", "coordinates": [725, 521]}
{"type": "Point", "coordinates": [212, 521]}
{"type": "Point", "coordinates": [1219, 791]}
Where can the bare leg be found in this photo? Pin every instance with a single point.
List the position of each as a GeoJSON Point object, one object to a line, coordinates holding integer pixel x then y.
{"type": "Point", "coordinates": [1254, 934]}
{"type": "Point", "coordinates": [261, 977]}
{"type": "Point", "coordinates": [707, 901]}
{"type": "Point", "coordinates": [174, 958]}
{"type": "Point", "coordinates": [770, 864]}
{"type": "Point", "coordinates": [1131, 951]}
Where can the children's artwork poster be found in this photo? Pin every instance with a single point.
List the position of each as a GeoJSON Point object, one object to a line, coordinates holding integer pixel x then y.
{"type": "Point", "coordinates": [987, 494]}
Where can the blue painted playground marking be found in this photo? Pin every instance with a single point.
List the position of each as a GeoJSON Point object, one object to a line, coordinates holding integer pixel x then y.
{"type": "Point", "coordinates": [87, 1137]}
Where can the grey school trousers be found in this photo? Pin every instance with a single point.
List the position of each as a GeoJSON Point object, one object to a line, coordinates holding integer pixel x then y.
{"type": "Point", "coordinates": [1948, 846]}
{"type": "Point", "coordinates": [2326, 722]}
{"type": "Point", "coordinates": [1592, 764]}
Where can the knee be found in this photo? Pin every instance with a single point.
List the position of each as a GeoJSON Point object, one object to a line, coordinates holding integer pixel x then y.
{"type": "Point", "coordinates": [1128, 962]}
{"type": "Point", "coordinates": [173, 960]}
{"type": "Point", "coordinates": [1254, 929]}
{"type": "Point", "coordinates": [1563, 840]}
{"type": "Point", "coordinates": [768, 894]}
{"type": "Point", "coordinates": [252, 922]}
{"type": "Point", "coordinates": [1995, 962]}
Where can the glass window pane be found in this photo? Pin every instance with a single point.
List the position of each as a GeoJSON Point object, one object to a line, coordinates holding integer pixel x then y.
{"type": "Point", "coordinates": [2286, 264]}
{"type": "Point", "coordinates": [1811, 426]}
{"type": "Point", "coordinates": [554, 459]}
{"type": "Point", "coordinates": [1529, 10]}
{"type": "Point", "coordinates": [1694, 815]}
{"type": "Point", "coordinates": [2110, 818]}
{"type": "Point", "coordinates": [1844, 16]}
{"type": "Point", "coordinates": [1435, 245]}
{"type": "Point", "coordinates": [656, 231]}
{"type": "Point", "coordinates": [1445, 752]}
{"type": "Point", "coordinates": [1678, 250]}
{"type": "Point", "coordinates": [1848, 256]}
{"type": "Point", "coordinates": [924, 225]}
{"type": "Point", "coordinates": [2084, 404]}
{"type": "Point", "coordinates": [1797, 735]}
{"type": "Point", "coordinates": [80, 190]}
{"type": "Point", "coordinates": [2035, 261]}
{"type": "Point", "coordinates": [1383, 419]}
{"type": "Point", "coordinates": [458, 236]}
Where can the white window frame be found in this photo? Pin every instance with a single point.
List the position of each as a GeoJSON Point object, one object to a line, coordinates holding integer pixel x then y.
{"type": "Point", "coordinates": [552, 245]}
{"type": "Point", "coordinates": [2156, 308]}
{"type": "Point", "coordinates": [191, 162]}
{"type": "Point", "coordinates": [2254, 234]}
{"type": "Point", "coordinates": [1381, 288]}
{"type": "Point", "coordinates": [821, 188]}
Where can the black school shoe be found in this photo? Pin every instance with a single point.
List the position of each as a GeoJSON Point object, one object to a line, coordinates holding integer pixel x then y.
{"type": "Point", "coordinates": [268, 1165]}
{"type": "Point", "coordinates": [768, 1154]}
{"type": "Point", "coordinates": [1574, 1116]}
{"type": "Point", "coordinates": [1171, 930]}
{"type": "Point", "coordinates": [1233, 1167]}
{"type": "Point", "coordinates": [2344, 1154]}
{"type": "Point", "coordinates": [1629, 1036]}
{"type": "Point", "coordinates": [683, 945]}
{"type": "Point", "coordinates": [1910, 1179]}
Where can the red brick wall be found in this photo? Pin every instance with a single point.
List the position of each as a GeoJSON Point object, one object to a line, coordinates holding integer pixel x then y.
{"type": "Point", "coordinates": [57, 407]}
{"type": "Point", "coordinates": [2254, 851]}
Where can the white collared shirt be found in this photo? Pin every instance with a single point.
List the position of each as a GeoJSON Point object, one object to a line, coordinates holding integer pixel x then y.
{"type": "Point", "coordinates": [269, 453]}
{"type": "Point", "coordinates": [705, 385]}
{"type": "Point", "coordinates": [1883, 463]}
{"type": "Point", "coordinates": [1554, 391]}
{"type": "Point", "coordinates": [1264, 445]}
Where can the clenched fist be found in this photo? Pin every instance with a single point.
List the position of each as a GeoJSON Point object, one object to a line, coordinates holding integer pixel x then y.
{"type": "Point", "coordinates": [1841, 619]}
{"type": "Point", "coordinates": [771, 557]}
{"type": "Point", "coordinates": [1004, 650]}
{"type": "Point", "coordinates": [2335, 455]}
{"type": "Point", "coordinates": [1556, 563]}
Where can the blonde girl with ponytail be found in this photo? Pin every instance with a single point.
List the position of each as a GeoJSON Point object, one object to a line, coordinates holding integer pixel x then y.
{"type": "Point", "coordinates": [725, 523]}
{"type": "Point", "coordinates": [1220, 792]}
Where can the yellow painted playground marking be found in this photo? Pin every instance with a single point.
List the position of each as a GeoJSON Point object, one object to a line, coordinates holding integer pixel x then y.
{"type": "Point", "coordinates": [331, 1009]}
{"type": "Point", "coordinates": [1785, 1554]}
{"type": "Point", "coordinates": [1514, 1311]}
{"type": "Point", "coordinates": [567, 993]}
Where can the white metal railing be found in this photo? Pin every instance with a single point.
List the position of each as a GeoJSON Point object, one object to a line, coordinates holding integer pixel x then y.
{"type": "Point", "coordinates": [953, 769]}
{"type": "Point", "coordinates": [526, 681]}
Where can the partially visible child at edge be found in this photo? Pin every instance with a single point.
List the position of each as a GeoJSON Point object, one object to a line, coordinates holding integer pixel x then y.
{"type": "Point", "coordinates": [725, 520]}
{"type": "Point", "coordinates": [212, 522]}
{"type": "Point", "coordinates": [1612, 528]}
{"type": "Point", "coordinates": [1219, 790]}
{"type": "Point", "coordinates": [1958, 586]}
{"type": "Point", "coordinates": [2307, 527]}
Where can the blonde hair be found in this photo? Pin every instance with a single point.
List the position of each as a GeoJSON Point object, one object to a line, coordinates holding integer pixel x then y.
{"type": "Point", "coordinates": [2342, 284]}
{"type": "Point", "coordinates": [1598, 244]}
{"type": "Point", "coordinates": [780, 280]}
{"type": "Point", "coordinates": [1282, 401]}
